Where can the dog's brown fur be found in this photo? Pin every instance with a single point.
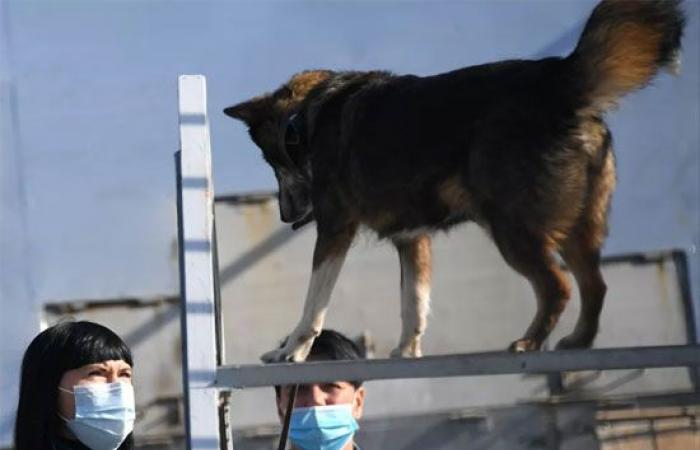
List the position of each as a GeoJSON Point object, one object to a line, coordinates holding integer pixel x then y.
{"type": "Point", "coordinates": [519, 147]}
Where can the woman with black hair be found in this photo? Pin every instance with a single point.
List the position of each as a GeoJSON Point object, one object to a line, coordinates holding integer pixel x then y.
{"type": "Point", "coordinates": [76, 391]}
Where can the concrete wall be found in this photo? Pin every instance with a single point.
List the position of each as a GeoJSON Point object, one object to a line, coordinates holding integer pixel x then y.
{"type": "Point", "coordinates": [478, 304]}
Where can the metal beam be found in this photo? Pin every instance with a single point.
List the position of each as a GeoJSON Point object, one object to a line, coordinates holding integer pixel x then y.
{"type": "Point", "coordinates": [197, 266]}
{"type": "Point", "coordinates": [493, 363]}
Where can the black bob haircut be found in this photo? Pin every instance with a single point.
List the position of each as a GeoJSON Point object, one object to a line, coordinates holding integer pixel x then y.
{"type": "Point", "coordinates": [56, 350]}
{"type": "Point", "coordinates": [331, 345]}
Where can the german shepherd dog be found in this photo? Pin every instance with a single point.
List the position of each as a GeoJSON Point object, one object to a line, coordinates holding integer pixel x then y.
{"type": "Point", "coordinates": [519, 147]}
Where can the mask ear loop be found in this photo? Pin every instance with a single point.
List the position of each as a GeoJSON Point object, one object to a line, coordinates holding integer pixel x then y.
{"type": "Point", "coordinates": [288, 418]}
{"type": "Point", "coordinates": [67, 392]}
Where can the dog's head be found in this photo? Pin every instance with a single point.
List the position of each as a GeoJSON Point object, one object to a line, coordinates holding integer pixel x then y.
{"type": "Point", "coordinates": [276, 127]}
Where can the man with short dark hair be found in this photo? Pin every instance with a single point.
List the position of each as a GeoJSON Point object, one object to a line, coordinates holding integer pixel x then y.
{"type": "Point", "coordinates": [325, 414]}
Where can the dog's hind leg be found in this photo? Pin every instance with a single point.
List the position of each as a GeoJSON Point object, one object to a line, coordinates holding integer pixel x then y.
{"type": "Point", "coordinates": [584, 263]}
{"type": "Point", "coordinates": [415, 260]}
{"type": "Point", "coordinates": [531, 255]}
{"type": "Point", "coordinates": [329, 255]}
{"type": "Point", "coordinates": [581, 252]}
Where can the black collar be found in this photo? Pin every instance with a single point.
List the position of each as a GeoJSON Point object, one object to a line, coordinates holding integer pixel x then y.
{"type": "Point", "coordinates": [295, 133]}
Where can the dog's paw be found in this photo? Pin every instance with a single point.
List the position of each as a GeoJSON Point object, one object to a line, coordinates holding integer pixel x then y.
{"type": "Point", "coordinates": [408, 348]}
{"type": "Point", "coordinates": [572, 342]}
{"type": "Point", "coordinates": [406, 352]}
{"type": "Point", "coordinates": [276, 356]}
{"type": "Point", "coordinates": [289, 353]}
{"type": "Point", "coordinates": [524, 345]}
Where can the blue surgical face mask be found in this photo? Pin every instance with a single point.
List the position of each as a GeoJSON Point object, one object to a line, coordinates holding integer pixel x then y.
{"type": "Point", "coordinates": [322, 427]}
{"type": "Point", "coordinates": [104, 414]}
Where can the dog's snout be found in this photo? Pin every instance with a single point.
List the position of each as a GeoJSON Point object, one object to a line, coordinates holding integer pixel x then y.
{"type": "Point", "coordinates": [294, 203]}
{"type": "Point", "coordinates": [287, 213]}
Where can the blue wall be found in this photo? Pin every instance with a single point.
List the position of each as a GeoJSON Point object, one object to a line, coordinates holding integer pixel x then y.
{"type": "Point", "coordinates": [87, 180]}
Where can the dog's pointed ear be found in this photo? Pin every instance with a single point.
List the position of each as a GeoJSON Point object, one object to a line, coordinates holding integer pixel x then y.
{"type": "Point", "coordinates": [251, 111]}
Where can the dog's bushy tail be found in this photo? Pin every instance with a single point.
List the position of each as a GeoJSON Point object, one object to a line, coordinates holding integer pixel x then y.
{"type": "Point", "coordinates": [622, 47]}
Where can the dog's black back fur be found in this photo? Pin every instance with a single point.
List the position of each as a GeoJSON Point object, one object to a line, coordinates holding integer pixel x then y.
{"type": "Point", "coordinates": [390, 142]}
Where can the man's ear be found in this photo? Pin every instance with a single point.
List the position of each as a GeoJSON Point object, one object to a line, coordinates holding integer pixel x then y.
{"type": "Point", "coordinates": [358, 403]}
{"type": "Point", "coordinates": [251, 111]}
{"type": "Point", "coordinates": [278, 403]}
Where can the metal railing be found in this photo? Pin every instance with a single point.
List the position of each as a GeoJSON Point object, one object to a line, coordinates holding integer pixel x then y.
{"type": "Point", "coordinates": [207, 382]}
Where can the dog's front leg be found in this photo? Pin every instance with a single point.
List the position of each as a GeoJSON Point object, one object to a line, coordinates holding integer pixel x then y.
{"type": "Point", "coordinates": [329, 255]}
{"type": "Point", "coordinates": [415, 259]}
